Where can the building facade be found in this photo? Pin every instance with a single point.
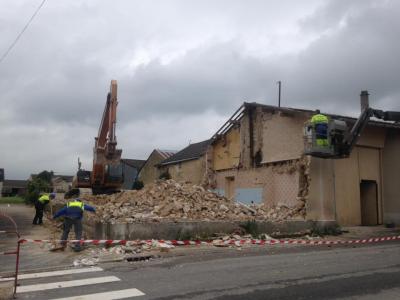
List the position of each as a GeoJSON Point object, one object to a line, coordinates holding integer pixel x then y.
{"type": "Point", "coordinates": [258, 157]}
{"type": "Point", "coordinates": [150, 171]}
{"type": "Point", "coordinates": [187, 165]}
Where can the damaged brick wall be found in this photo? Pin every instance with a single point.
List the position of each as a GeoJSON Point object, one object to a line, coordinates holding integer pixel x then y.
{"type": "Point", "coordinates": [183, 171]}
{"type": "Point", "coordinates": [271, 146]}
{"type": "Point", "coordinates": [285, 186]}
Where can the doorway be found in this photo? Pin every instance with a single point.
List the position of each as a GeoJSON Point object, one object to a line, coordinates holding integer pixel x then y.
{"type": "Point", "coordinates": [230, 187]}
{"type": "Point", "coordinates": [369, 202]}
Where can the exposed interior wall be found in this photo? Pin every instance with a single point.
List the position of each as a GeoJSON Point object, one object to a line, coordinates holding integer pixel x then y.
{"type": "Point", "coordinates": [149, 173]}
{"type": "Point", "coordinates": [266, 133]}
{"type": "Point", "coordinates": [226, 151]}
{"type": "Point", "coordinates": [391, 177]}
{"type": "Point", "coordinates": [282, 136]}
{"type": "Point", "coordinates": [188, 171]}
{"type": "Point", "coordinates": [245, 155]}
{"type": "Point", "coordinates": [280, 185]}
{"type": "Point", "coordinates": [330, 189]}
{"type": "Point", "coordinates": [252, 167]}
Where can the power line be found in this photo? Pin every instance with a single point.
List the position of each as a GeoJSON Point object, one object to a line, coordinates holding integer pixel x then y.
{"type": "Point", "coordinates": [22, 32]}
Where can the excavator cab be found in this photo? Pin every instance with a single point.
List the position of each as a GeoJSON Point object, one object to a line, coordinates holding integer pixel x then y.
{"type": "Point", "coordinates": [336, 135]}
{"type": "Point", "coordinates": [114, 174]}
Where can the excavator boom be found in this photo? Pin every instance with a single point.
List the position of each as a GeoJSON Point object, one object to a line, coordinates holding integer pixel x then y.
{"type": "Point", "coordinates": [106, 176]}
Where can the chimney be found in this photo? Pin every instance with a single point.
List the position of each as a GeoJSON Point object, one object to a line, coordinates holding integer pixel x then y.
{"type": "Point", "coordinates": [364, 100]}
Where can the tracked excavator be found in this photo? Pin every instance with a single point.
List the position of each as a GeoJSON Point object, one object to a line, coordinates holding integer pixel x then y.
{"type": "Point", "coordinates": [106, 176]}
{"type": "Point", "coordinates": [341, 138]}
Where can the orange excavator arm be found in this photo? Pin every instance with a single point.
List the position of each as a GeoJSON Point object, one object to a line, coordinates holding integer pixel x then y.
{"type": "Point", "coordinates": [106, 176]}
{"type": "Point", "coordinates": [107, 172]}
{"type": "Point", "coordinates": [106, 138]}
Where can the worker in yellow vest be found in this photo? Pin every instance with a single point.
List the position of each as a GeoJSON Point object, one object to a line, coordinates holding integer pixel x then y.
{"type": "Point", "coordinates": [73, 214]}
{"type": "Point", "coordinates": [320, 125]}
{"type": "Point", "coordinates": [40, 205]}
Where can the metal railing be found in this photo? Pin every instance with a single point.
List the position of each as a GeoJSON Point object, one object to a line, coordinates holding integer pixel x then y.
{"type": "Point", "coordinates": [15, 252]}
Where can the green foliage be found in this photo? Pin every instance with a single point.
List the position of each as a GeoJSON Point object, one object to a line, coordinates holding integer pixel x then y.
{"type": "Point", "coordinates": [138, 185]}
{"type": "Point", "coordinates": [11, 200]}
{"type": "Point", "coordinates": [40, 184]}
{"type": "Point", "coordinates": [165, 175]}
{"type": "Point", "coordinates": [326, 230]}
{"type": "Point", "coordinates": [46, 176]}
{"type": "Point", "coordinates": [251, 227]}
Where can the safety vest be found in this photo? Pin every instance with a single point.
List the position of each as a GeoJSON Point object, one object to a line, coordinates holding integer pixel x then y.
{"type": "Point", "coordinates": [76, 204]}
{"type": "Point", "coordinates": [319, 119]}
{"type": "Point", "coordinates": [44, 198]}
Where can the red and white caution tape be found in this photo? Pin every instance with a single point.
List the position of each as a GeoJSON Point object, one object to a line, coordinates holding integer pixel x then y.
{"type": "Point", "coordinates": [219, 242]}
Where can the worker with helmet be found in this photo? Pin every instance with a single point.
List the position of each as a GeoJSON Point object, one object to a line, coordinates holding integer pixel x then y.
{"type": "Point", "coordinates": [320, 125]}
{"type": "Point", "coordinates": [73, 214]}
{"type": "Point", "coordinates": [40, 205]}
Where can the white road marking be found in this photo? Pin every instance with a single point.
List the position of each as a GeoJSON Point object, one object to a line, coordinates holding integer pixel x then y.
{"type": "Point", "coordinates": [65, 284]}
{"type": "Point", "coordinates": [120, 294]}
{"type": "Point", "coordinates": [54, 273]}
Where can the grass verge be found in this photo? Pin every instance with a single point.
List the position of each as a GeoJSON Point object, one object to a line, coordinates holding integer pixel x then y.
{"type": "Point", "coordinates": [12, 200]}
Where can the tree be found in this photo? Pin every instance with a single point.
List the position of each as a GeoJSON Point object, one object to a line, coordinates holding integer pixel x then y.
{"type": "Point", "coordinates": [46, 176]}
{"type": "Point", "coordinates": [41, 183]}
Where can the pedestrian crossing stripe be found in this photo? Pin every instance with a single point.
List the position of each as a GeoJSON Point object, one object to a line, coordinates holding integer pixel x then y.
{"type": "Point", "coordinates": [65, 284]}
{"type": "Point", "coordinates": [54, 273]}
{"type": "Point", "coordinates": [120, 294]}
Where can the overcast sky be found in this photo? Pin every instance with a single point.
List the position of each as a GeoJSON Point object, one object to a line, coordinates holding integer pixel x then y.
{"type": "Point", "coordinates": [183, 67]}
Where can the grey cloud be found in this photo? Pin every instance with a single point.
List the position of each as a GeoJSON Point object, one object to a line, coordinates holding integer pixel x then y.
{"type": "Point", "coordinates": [55, 82]}
{"type": "Point", "coordinates": [215, 77]}
{"type": "Point", "coordinates": [361, 55]}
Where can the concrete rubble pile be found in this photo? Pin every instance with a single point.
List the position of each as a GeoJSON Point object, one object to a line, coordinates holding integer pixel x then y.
{"type": "Point", "coordinates": [170, 200]}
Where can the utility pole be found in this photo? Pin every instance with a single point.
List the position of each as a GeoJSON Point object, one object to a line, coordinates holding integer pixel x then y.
{"type": "Point", "coordinates": [279, 93]}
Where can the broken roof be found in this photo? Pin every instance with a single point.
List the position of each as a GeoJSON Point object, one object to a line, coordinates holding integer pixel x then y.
{"type": "Point", "coordinates": [136, 163]}
{"type": "Point", "coordinates": [166, 153]}
{"type": "Point", "coordinates": [239, 113]}
{"type": "Point", "coordinates": [193, 151]}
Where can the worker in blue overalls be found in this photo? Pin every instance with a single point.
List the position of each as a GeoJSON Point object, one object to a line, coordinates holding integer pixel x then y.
{"type": "Point", "coordinates": [73, 213]}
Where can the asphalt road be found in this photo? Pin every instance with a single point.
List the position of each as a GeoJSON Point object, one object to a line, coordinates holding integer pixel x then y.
{"type": "Point", "coordinates": [320, 272]}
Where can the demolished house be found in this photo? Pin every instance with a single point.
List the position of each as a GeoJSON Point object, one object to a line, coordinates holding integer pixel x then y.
{"type": "Point", "coordinates": [258, 157]}
{"type": "Point", "coordinates": [187, 165]}
{"type": "Point", "coordinates": [150, 172]}
{"type": "Point", "coordinates": [61, 183]}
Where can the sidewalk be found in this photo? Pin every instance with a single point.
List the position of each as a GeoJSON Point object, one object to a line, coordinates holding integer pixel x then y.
{"type": "Point", "coordinates": [32, 256]}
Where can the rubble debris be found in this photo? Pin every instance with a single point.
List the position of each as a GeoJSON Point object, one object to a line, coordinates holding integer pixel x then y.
{"type": "Point", "coordinates": [172, 201]}
{"type": "Point", "coordinates": [85, 262]}
{"type": "Point", "coordinates": [168, 200]}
